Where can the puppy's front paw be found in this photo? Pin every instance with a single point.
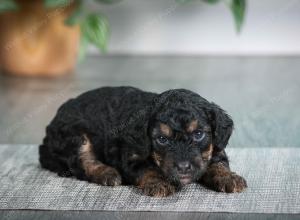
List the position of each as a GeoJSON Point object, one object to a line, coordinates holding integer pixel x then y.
{"type": "Point", "coordinates": [229, 183]}
{"type": "Point", "coordinates": [107, 176]}
{"type": "Point", "coordinates": [158, 188]}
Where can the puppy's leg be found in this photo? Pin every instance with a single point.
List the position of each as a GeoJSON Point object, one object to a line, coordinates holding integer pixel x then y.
{"type": "Point", "coordinates": [154, 184]}
{"type": "Point", "coordinates": [142, 173]}
{"type": "Point", "coordinates": [219, 177]}
{"type": "Point", "coordinates": [94, 169]}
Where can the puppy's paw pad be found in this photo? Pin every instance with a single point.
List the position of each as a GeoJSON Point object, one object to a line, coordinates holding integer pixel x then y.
{"type": "Point", "coordinates": [158, 188]}
{"type": "Point", "coordinates": [230, 183]}
{"type": "Point", "coordinates": [108, 177]}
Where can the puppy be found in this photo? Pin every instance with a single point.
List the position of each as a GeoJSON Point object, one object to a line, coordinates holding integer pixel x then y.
{"type": "Point", "coordinates": [157, 142]}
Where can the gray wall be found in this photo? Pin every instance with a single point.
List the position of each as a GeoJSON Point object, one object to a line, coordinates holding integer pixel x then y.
{"type": "Point", "coordinates": [164, 27]}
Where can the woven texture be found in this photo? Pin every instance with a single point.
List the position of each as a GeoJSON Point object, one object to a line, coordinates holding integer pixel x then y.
{"type": "Point", "coordinates": [273, 176]}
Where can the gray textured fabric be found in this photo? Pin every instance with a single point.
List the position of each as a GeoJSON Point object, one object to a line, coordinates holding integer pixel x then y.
{"type": "Point", "coordinates": [273, 177]}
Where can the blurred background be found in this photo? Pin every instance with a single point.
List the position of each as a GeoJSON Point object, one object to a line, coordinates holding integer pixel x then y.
{"type": "Point", "coordinates": [242, 55]}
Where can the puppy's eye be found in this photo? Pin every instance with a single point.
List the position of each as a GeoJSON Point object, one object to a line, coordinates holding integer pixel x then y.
{"type": "Point", "coordinates": [162, 140]}
{"type": "Point", "coordinates": [198, 136]}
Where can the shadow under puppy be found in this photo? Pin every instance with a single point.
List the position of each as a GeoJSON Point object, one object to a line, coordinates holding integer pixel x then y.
{"type": "Point", "coordinates": [158, 142]}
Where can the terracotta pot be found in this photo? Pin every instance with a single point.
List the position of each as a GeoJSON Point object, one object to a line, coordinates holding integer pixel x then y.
{"type": "Point", "coordinates": [34, 41]}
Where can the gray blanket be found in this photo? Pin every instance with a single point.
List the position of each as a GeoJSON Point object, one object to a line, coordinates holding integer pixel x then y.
{"type": "Point", "coordinates": [273, 177]}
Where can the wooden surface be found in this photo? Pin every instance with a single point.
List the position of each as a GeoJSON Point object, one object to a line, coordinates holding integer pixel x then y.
{"type": "Point", "coordinates": [261, 94]}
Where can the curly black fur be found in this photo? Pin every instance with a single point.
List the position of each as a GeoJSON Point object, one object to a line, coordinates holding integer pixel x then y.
{"type": "Point", "coordinates": [124, 126]}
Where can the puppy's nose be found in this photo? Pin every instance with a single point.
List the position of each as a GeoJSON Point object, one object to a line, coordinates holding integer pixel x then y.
{"type": "Point", "coordinates": [184, 167]}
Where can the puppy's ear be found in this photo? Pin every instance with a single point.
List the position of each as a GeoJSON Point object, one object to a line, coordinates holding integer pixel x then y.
{"type": "Point", "coordinates": [222, 126]}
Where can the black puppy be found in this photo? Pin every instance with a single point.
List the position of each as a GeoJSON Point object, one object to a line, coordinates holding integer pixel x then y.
{"type": "Point", "coordinates": [158, 142]}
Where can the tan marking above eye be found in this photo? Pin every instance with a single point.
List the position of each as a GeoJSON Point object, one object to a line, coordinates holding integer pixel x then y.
{"type": "Point", "coordinates": [192, 126]}
{"type": "Point", "coordinates": [165, 130]}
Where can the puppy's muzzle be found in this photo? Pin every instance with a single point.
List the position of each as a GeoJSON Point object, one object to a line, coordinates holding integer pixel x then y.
{"type": "Point", "coordinates": [184, 170]}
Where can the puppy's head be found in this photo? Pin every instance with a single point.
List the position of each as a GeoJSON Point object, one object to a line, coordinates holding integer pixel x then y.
{"type": "Point", "coordinates": [185, 130]}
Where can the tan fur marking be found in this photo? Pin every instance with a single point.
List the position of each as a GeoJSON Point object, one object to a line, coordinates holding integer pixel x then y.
{"type": "Point", "coordinates": [153, 184]}
{"type": "Point", "coordinates": [90, 164]}
{"type": "Point", "coordinates": [165, 130]}
{"type": "Point", "coordinates": [147, 177]}
{"type": "Point", "coordinates": [206, 155]}
{"type": "Point", "coordinates": [192, 126]}
{"type": "Point", "coordinates": [218, 169]}
{"type": "Point", "coordinates": [220, 178]}
{"type": "Point", "coordinates": [157, 159]}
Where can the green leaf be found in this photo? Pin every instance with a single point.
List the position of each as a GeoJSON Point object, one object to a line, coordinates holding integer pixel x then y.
{"type": "Point", "coordinates": [108, 1]}
{"type": "Point", "coordinates": [8, 5]}
{"type": "Point", "coordinates": [238, 8]}
{"type": "Point", "coordinates": [75, 16]}
{"type": "Point", "coordinates": [84, 42]}
{"type": "Point", "coordinates": [56, 3]}
{"type": "Point", "coordinates": [96, 30]}
{"type": "Point", "coordinates": [211, 1]}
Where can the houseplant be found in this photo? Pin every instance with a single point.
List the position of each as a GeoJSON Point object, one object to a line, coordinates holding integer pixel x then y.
{"type": "Point", "coordinates": [43, 37]}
